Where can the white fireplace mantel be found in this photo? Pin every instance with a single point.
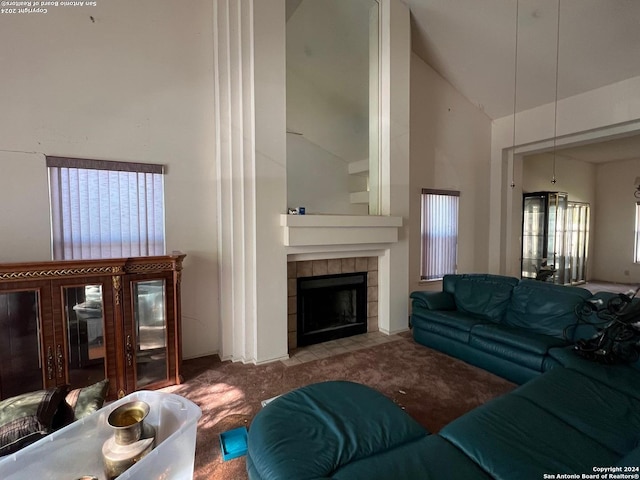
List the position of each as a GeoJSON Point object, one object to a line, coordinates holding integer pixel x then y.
{"type": "Point", "coordinates": [334, 230]}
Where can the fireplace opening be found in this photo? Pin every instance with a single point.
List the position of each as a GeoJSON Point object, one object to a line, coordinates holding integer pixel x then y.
{"type": "Point", "coordinates": [331, 306]}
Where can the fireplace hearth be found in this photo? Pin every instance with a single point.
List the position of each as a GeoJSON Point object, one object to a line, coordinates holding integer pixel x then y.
{"type": "Point", "coordinates": [331, 306]}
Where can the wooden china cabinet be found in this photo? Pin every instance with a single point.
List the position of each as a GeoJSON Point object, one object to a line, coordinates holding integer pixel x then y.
{"type": "Point", "coordinates": [78, 322]}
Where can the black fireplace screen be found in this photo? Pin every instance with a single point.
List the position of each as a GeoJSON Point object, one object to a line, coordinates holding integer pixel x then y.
{"type": "Point", "coordinates": [331, 306]}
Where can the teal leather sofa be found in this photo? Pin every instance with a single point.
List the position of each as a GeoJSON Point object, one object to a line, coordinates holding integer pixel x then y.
{"type": "Point", "coordinates": [504, 325]}
{"type": "Point", "coordinates": [569, 421]}
{"type": "Point", "coordinates": [570, 418]}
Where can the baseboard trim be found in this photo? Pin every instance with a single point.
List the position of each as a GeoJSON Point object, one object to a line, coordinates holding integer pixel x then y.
{"type": "Point", "coordinates": [393, 332]}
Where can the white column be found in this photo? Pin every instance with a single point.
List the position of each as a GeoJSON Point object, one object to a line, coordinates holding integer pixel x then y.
{"type": "Point", "coordinates": [249, 83]}
{"type": "Point", "coordinates": [250, 110]}
{"type": "Point", "coordinates": [231, 18]}
{"type": "Point", "coordinates": [271, 179]}
{"type": "Point", "coordinates": [395, 65]}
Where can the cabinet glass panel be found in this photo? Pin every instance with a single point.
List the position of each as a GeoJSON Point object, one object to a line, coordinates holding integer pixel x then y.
{"type": "Point", "coordinates": [577, 241]}
{"type": "Point", "coordinates": [85, 334]}
{"type": "Point", "coordinates": [20, 356]}
{"type": "Point", "coordinates": [533, 235]}
{"type": "Point", "coordinates": [556, 254]}
{"type": "Point", "coordinates": [149, 314]}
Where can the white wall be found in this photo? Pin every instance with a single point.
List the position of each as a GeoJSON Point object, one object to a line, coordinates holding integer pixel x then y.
{"type": "Point", "coordinates": [575, 177]}
{"type": "Point", "coordinates": [334, 127]}
{"type": "Point", "coordinates": [325, 119]}
{"type": "Point", "coordinates": [134, 84]}
{"type": "Point", "coordinates": [451, 150]}
{"type": "Point", "coordinates": [318, 180]}
{"type": "Point", "coordinates": [615, 212]}
{"type": "Point", "coordinates": [24, 208]}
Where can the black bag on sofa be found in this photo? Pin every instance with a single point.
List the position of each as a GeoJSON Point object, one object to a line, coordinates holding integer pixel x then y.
{"type": "Point", "coordinates": [619, 340]}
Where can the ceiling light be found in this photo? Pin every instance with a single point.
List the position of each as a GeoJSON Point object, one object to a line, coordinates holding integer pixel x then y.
{"type": "Point", "coordinates": [555, 108]}
{"type": "Point", "coordinates": [515, 91]}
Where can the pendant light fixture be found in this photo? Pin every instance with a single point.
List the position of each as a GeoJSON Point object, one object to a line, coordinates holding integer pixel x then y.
{"type": "Point", "coordinates": [515, 91]}
{"type": "Point", "coordinates": [555, 109]}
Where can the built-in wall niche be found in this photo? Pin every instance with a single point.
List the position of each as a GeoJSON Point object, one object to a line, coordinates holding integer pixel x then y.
{"type": "Point", "coordinates": [332, 56]}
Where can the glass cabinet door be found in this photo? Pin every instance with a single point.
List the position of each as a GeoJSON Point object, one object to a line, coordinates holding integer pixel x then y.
{"type": "Point", "coordinates": [21, 358]}
{"type": "Point", "coordinates": [544, 237]}
{"type": "Point", "coordinates": [533, 235]}
{"type": "Point", "coordinates": [85, 334]}
{"type": "Point", "coordinates": [577, 241]}
{"type": "Point", "coordinates": [556, 250]}
{"type": "Point", "coordinates": [150, 325]}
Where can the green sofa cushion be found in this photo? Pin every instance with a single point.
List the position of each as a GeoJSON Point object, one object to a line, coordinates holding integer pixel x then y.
{"type": "Point", "coordinates": [517, 338]}
{"type": "Point", "coordinates": [513, 438]}
{"type": "Point", "coordinates": [431, 457]}
{"type": "Point", "coordinates": [484, 296]}
{"type": "Point", "coordinates": [432, 300]}
{"type": "Point", "coordinates": [328, 425]}
{"type": "Point", "coordinates": [439, 329]}
{"type": "Point", "coordinates": [631, 459]}
{"type": "Point", "coordinates": [456, 320]}
{"type": "Point", "coordinates": [544, 308]}
{"type": "Point", "coordinates": [625, 378]}
{"type": "Point", "coordinates": [599, 412]}
{"type": "Point", "coordinates": [502, 352]}
{"type": "Point", "coordinates": [84, 401]}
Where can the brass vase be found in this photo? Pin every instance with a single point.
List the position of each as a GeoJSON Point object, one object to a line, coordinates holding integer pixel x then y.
{"type": "Point", "coordinates": [132, 438]}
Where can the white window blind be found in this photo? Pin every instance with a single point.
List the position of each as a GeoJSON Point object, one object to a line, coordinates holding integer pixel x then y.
{"type": "Point", "coordinates": [439, 233]}
{"type": "Point", "coordinates": [102, 209]}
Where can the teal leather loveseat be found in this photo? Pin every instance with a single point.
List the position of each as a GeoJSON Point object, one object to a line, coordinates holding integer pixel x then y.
{"type": "Point", "coordinates": [573, 420]}
{"type": "Point", "coordinates": [504, 325]}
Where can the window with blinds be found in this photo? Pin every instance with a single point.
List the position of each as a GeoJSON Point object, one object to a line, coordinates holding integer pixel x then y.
{"type": "Point", "coordinates": [439, 230]}
{"type": "Point", "coordinates": [103, 209]}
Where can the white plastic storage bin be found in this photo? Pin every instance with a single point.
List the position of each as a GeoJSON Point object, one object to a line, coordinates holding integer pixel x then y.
{"type": "Point", "coordinates": [76, 450]}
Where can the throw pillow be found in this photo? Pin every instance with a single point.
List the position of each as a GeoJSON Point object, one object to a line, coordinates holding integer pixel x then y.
{"type": "Point", "coordinates": [84, 401]}
{"type": "Point", "coordinates": [28, 417]}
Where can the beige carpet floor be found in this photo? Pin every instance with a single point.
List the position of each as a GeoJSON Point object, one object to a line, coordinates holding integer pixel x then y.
{"type": "Point", "coordinates": [431, 387]}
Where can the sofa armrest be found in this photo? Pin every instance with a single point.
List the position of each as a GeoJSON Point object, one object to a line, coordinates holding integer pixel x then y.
{"type": "Point", "coordinates": [433, 300]}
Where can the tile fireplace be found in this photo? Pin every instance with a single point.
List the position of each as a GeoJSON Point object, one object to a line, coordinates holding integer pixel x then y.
{"type": "Point", "coordinates": [349, 306]}
{"type": "Point", "coordinates": [331, 307]}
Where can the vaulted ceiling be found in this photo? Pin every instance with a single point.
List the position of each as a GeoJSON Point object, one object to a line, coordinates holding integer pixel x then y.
{"type": "Point", "coordinates": [472, 44]}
